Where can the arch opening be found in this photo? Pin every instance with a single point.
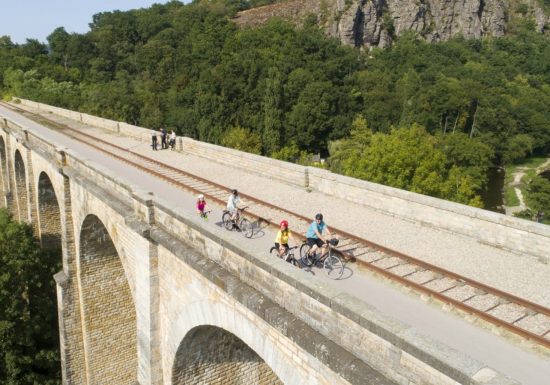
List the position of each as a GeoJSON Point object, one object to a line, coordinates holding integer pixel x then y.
{"type": "Point", "coordinates": [49, 214]}
{"type": "Point", "coordinates": [3, 173]}
{"type": "Point", "coordinates": [109, 311]}
{"type": "Point", "coordinates": [21, 188]}
{"type": "Point", "coordinates": [211, 355]}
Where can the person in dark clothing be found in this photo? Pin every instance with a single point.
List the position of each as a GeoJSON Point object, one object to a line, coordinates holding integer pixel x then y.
{"type": "Point", "coordinates": [164, 144]}
{"type": "Point", "coordinates": [154, 139]}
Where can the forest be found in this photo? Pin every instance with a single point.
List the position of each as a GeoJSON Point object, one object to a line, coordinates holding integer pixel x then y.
{"type": "Point", "coordinates": [430, 118]}
{"type": "Point", "coordinates": [29, 336]}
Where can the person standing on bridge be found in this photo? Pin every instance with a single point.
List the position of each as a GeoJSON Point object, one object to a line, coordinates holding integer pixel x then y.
{"type": "Point", "coordinates": [315, 238]}
{"type": "Point", "coordinates": [172, 140]}
{"type": "Point", "coordinates": [154, 140]}
{"type": "Point", "coordinates": [163, 138]}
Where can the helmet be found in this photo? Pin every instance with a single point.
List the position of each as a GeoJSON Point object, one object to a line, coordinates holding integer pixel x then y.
{"type": "Point", "coordinates": [234, 192]}
{"type": "Point", "coordinates": [201, 196]}
{"type": "Point", "coordinates": [284, 223]}
{"type": "Point", "coordinates": [319, 216]}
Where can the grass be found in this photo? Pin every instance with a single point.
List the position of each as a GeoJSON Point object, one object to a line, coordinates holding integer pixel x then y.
{"type": "Point", "coordinates": [510, 197]}
{"type": "Point", "coordinates": [529, 167]}
{"type": "Point", "coordinates": [532, 162]}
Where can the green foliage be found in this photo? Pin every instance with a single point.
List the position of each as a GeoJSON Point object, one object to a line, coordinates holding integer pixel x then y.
{"type": "Point", "coordinates": [407, 158]}
{"type": "Point", "coordinates": [189, 67]}
{"type": "Point", "coordinates": [469, 154]}
{"type": "Point", "coordinates": [524, 214]}
{"type": "Point", "coordinates": [28, 318]}
{"type": "Point", "coordinates": [538, 195]}
{"type": "Point", "coordinates": [242, 139]}
{"type": "Point", "coordinates": [519, 147]}
{"type": "Point", "coordinates": [387, 23]}
{"type": "Point", "coordinates": [290, 153]}
{"type": "Point", "coordinates": [522, 8]}
{"type": "Point", "coordinates": [510, 197]}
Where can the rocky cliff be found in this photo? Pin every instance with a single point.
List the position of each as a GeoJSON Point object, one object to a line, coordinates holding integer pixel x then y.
{"type": "Point", "coordinates": [374, 23]}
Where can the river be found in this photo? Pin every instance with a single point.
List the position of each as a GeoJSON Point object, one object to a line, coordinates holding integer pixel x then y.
{"type": "Point", "coordinates": [492, 197]}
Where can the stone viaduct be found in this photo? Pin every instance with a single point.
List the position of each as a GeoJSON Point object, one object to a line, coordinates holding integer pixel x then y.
{"type": "Point", "coordinates": [149, 296]}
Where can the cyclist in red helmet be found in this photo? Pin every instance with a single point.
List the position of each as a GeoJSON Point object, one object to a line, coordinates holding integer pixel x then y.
{"type": "Point", "coordinates": [283, 235]}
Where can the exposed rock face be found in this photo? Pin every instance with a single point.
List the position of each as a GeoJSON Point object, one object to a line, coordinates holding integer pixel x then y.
{"type": "Point", "coordinates": [374, 23]}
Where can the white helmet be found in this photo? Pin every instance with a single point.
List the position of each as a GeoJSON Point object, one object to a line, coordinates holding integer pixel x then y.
{"type": "Point", "coordinates": [201, 196]}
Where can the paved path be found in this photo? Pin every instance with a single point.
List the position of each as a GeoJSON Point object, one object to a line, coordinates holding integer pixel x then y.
{"type": "Point", "coordinates": [520, 172]}
{"type": "Point", "coordinates": [523, 365]}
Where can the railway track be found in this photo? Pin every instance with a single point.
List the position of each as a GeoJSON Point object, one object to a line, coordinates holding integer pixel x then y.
{"type": "Point", "coordinates": [522, 317]}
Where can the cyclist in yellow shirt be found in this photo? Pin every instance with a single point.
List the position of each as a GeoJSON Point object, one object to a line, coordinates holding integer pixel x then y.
{"type": "Point", "coordinates": [283, 235]}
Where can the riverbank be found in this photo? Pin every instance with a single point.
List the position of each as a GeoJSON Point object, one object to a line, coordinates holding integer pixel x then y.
{"type": "Point", "coordinates": [517, 179]}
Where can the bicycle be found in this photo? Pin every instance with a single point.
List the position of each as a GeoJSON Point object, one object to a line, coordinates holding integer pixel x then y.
{"type": "Point", "coordinates": [332, 263]}
{"type": "Point", "coordinates": [204, 214]}
{"type": "Point", "coordinates": [288, 255]}
{"type": "Point", "coordinates": [241, 223]}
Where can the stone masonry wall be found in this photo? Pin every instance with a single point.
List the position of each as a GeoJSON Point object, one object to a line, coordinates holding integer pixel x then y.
{"type": "Point", "coordinates": [6, 169]}
{"type": "Point", "coordinates": [73, 366]}
{"type": "Point", "coordinates": [188, 301]}
{"type": "Point", "coordinates": [109, 312]}
{"type": "Point", "coordinates": [514, 234]}
{"type": "Point", "coordinates": [314, 303]}
{"type": "Point", "coordinates": [3, 175]}
{"type": "Point", "coordinates": [49, 214]}
{"type": "Point", "coordinates": [45, 165]}
{"type": "Point", "coordinates": [21, 188]}
{"type": "Point", "coordinates": [210, 355]}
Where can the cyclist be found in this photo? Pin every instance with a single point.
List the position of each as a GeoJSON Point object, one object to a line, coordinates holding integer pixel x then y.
{"type": "Point", "coordinates": [315, 238]}
{"type": "Point", "coordinates": [283, 235]}
{"type": "Point", "coordinates": [233, 205]}
{"type": "Point", "coordinates": [201, 204]}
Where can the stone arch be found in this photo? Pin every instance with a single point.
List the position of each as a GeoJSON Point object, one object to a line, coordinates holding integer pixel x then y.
{"type": "Point", "coordinates": [49, 214]}
{"type": "Point", "coordinates": [109, 313]}
{"type": "Point", "coordinates": [21, 196]}
{"type": "Point", "coordinates": [256, 336]}
{"type": "Point", "coordinates": [3, 173]}
{"type": "Point", "coordinates": [212, 355]}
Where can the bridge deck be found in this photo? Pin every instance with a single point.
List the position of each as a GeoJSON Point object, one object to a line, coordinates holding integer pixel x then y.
{"type": "Point", "coordinates": [524, 277]}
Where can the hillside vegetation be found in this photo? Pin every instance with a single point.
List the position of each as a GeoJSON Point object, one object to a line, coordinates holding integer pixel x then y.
{"type": "Point", "coordinates": [430, 118]}
{"type": "Point", "coordinates": [29, 340]}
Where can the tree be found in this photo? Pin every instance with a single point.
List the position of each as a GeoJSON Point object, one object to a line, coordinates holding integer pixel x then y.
{"type": "Point", "coordinates": [407, 158]}
{"type": "Point", "coordinates": [471, 155]}
{"type": "Point", "coordinates": [538, 195]}
{"type": "Point", "coordinates": [272, 134]}
{"type": "Point", "coordinates": [518, 147]}
{"type": "Point", "coordinates": [242, 139]}
{"type": "Point", "coordinates": [29, 352]}
{"type": "Point", "coordinates": [59, 42]}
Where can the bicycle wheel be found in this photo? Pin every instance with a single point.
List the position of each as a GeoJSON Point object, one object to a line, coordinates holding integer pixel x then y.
{"type": "Point", "coordinates": [246, 228]}
{"type": "Point", "coordinates": [227, 222]}
{"type": "Point", "coordinates": [333, 266]}
{"type": "Point", "coordinates": [306, 260]}
{"type": "Point", "coordinates": [292, 260]}
{"type": "Point", "coordinates": [274, 252]}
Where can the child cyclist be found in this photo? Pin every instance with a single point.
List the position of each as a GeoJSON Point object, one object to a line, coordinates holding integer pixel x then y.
{"type": "Point", "coordinates": [283, 235]}
{"type": "Point", "coordinates": [201, 205]}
